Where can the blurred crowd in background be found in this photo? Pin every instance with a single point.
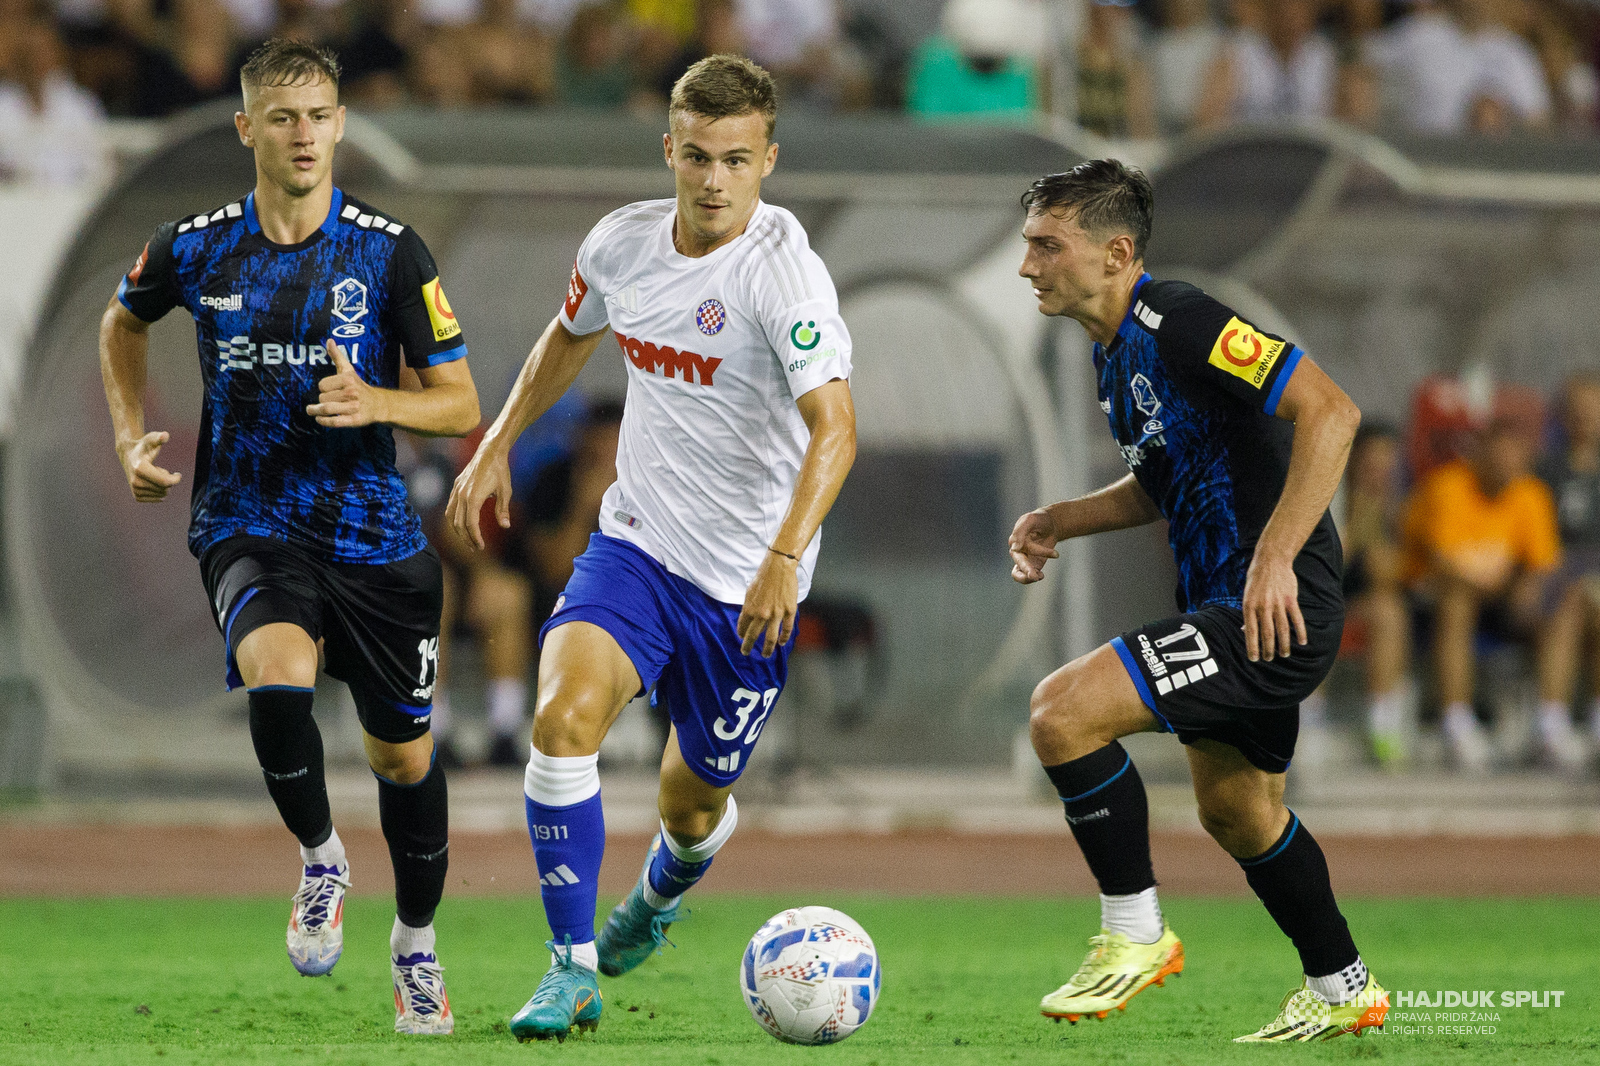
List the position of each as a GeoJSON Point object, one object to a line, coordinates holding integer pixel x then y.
{"type": "Point", "coordinates": [1120, 68]}
{"type": "Point", "coordinates": [1472, 541]}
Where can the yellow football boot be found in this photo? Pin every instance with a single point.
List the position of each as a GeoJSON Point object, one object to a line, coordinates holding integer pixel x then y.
{"type": "Point", "coordinates": [1304, 1015]}
{"type": "Point", "coordinates": [1115, 971]}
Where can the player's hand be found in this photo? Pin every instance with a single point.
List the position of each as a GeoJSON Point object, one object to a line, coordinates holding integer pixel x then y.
{"type": "Point", "coordinates": [1271, 608]}
{"type": "Point", "coordinates": [344, 400]}
{"type": "Point", "coordinates": [148, 481]}
{"type": "Point", "coordinates": [1033, 543]}
{"type": "Point", "coordinates": [770, 605]}
{"type": "Point", "coordinates": [488, 474]}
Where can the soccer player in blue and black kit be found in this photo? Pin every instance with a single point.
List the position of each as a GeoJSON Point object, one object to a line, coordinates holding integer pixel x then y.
{"type": "Point", "coordinates": [1238, 440]}
{"type": "Point", "coordinates": [321, 325]}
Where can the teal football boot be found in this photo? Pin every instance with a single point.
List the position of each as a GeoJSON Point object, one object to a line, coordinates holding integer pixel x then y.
{"type": "Point", "coordinates": [634, 930]}
{"type": "Point", "coordinates": [568, 997]}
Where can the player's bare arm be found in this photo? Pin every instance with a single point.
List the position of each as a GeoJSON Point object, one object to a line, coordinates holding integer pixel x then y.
{"type": "Point", "coordinates": [1120, 505]}
{"type": "Point", "coordinates": [551, 368]}
{"type": "Point", "coordinates": [772, 601]}
{"type": "Point", "coordinates": [445, 404]}
{"type": "Point", "coordinates": [1325, 422]}
{"type": "Point", "coordinates": [124, 341]}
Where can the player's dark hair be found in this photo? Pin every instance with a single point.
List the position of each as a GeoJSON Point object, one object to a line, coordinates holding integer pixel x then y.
{"type": "Point", "coordinates": [1103, 195]}
{"type": "Point", "coordinates": [725, 86]}
{"type": "Point", "coordinates": [284, 61]}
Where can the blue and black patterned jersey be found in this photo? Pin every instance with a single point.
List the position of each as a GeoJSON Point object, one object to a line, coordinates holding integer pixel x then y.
{"type": "Point", "coordinates": [263, 315]}
{"type": "Point", "coordinates": [1192, 390]}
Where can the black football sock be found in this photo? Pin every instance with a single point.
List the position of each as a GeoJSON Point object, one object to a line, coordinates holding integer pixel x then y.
{"type": "Point", "coordinates": [1291, 877]}
{"type": "Point", "coordinates": [289, 749]}
{"type": "Point", "coordinates": [416, 821]}
{"type": "Point", "coordinates": [1110, 817]}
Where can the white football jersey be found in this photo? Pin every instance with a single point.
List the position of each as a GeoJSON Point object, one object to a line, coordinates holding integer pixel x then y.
{"type": "Point", "coordinates": [719, 349]}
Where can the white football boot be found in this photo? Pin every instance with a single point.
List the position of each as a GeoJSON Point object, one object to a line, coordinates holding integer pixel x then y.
{"type": "Point", "coordinates": [421, 1005]}
{"type": "Point", "coordinates": [316, 918]}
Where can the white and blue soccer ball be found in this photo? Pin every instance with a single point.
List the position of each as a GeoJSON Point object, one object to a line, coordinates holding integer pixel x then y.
{"type": "Point", "coordinates": [811, 976]}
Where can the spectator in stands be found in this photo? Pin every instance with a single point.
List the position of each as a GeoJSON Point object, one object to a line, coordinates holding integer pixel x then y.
{"type": "Point", "coordinates": [1480, 541]}
{"type": "Point", "coordinates": [512, 59]}
{"type": "Point", "coordinates": [1574, 84]}
{"type": "Point", "coordinates": [980, 65]}
{"type": "Point", "coordinates": [374, 55]}
{"type": "Point", "coordinates": [447, 14]}
{"type": "Point", "coordinates": [1509, 90]}
{"type": "Point", "coordinates": [552, 17]}
{"type": "Point", "coordinates": [662, 29]}
{"type": "Point", "coordinates": [100, 38]}
{"type": "Point", "coordinates": [1184, 49]}
{"type": "Point", "coordinates": [592, 67]}
{"type": "Point", "coordinates": [191, 62]}
{"type": "Point", "coordinates": [1374, 595]}
{"type": "Point", "coordinates": [716, 32]}
{"type": "Point", "coordinates": [1286, 70]}
{"type": "Point", "coordinates": [1573, 627]}
{"type": "Point", "coordinates": [675, 20]}
{"type": "Point", "coordinates": [1428, 69]}
{"type": "Point", "coordinates": [1115, 98]}
{"type": "Point", "coordinates": [799, 42]}
{"type": "Point", "coordinates": [305, 20]}
{"type": "Point", "coordinates": [51, 129]}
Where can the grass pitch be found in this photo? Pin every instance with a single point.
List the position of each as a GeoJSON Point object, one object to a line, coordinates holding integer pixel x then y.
{"type": "Point", "coordinates": [207, 981]}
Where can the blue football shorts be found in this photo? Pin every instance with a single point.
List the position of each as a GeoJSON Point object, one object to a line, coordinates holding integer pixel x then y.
{"type": "Point", "coordinates": [685, 646]}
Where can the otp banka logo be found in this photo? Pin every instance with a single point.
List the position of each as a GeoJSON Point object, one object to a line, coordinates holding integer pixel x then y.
{"type": "Point", "coordinates": [349, 307]}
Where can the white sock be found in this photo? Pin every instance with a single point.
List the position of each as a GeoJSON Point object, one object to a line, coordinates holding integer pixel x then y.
{"type": "Point", "coordinates": [585, 955]}
{"type": "Point", "coordinates": [1340, 987]}
{"type": "Point", "coordinates": [439, 720]}
{"type": "Point", "coordinates": [508, 700]}
{"type": "Point", "coordinates": [328, 853]}
{"type": "Point", "coordinates": [560, 780]}
{"type": "Point", "coordinates": [1137, 917]}
{"type": "Point", "coordinates": [1386, 712]}
{"type": "Point", "coordinates": [1555, 719]}
{"type": "Point", "coordinates": [404, 940]}
{"type": "Point", "coordinates": [1458, 719]}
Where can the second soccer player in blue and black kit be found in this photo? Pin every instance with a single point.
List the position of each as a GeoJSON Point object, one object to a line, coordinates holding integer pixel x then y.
{"type": "Point", "coordinates": [321, 325]}
{"type": "Point", "coordinates": [1238, 440]}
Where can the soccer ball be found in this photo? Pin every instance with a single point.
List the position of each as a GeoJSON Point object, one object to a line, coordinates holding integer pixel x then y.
{"type": "Point", "coordinates": [810, 976]}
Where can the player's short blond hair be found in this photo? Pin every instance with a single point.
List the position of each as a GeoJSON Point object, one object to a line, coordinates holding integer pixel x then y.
{"type": "Point", "coordinates": [285, 61]}
{"type": "Point", "coordinates": [726, 86]}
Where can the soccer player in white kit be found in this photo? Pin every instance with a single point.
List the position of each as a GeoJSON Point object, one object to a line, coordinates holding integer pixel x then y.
{"type": "Point", "coordinates": [737, 434]}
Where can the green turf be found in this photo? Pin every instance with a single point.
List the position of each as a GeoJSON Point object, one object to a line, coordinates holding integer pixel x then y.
{"type": "Point", "coordinates": [142, 981]}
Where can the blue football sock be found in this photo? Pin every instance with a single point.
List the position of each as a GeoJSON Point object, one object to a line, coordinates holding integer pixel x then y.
{"type": "Point", "coordinates": [568, 843]}
{"type": "Point", "coordinates": [569, 839]}
{"type": "Point", "coordinates": [675, 868]}
{"type": "Point", "coordinates": [670, 876]}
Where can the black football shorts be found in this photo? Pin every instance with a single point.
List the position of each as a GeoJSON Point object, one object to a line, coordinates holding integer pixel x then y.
{"type": "Point", "coordinates": [1191, 671]}
{"type": "Point", "coordinates": [379, 622]}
